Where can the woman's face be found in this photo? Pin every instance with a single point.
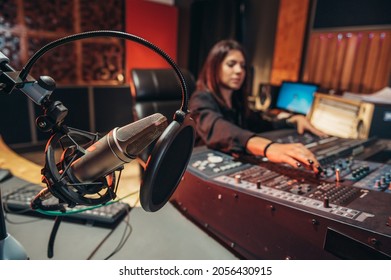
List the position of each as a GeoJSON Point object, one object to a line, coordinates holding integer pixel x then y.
{"type": "Point", "coordinates": [232, 71]}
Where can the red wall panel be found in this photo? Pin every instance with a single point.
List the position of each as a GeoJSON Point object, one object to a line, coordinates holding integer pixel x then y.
{"type": "Point", "coordinates": [157, 23]}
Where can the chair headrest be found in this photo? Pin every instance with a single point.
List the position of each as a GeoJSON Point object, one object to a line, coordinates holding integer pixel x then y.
{"type": "Point", "coordinates": [160, 84]}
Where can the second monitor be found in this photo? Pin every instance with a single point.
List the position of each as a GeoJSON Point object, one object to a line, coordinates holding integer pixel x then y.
{"type": "Point", "coordinates": [296, 97]}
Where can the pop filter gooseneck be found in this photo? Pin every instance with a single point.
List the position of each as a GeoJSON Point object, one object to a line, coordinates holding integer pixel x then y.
{"type": "Point", "coordinates": [171, 153]}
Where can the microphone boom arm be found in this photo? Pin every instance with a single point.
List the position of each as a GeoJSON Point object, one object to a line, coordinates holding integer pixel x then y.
{"type": "Point", "coordinates": [38, 91]}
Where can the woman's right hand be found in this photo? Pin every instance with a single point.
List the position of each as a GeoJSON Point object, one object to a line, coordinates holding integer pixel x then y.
{"type": "Point", "coordinates": [294, 154]}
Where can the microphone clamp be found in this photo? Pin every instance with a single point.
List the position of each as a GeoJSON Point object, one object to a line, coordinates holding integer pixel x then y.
{"type": "Point", "coordinates": [61, 184]}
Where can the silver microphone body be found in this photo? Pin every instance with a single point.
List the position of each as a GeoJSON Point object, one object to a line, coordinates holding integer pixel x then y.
{"type": "Point", "coordinates": [119, 146]}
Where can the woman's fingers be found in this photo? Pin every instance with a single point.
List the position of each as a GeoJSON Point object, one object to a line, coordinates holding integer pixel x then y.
{"type": "Point", "coordinates": [296, 155]}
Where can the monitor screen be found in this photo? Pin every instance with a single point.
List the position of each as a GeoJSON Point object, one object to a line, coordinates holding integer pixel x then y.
{"type": "Point", "coordinates": [296, 97]}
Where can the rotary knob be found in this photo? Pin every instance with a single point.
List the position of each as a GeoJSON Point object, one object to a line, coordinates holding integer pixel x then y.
{"type": "Point", "coordinates": [215, 159]}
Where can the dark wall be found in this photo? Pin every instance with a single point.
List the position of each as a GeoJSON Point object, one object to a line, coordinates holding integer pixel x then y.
{"type": "Point", "coordinates": [14, 118]}
{"type": "Point", "coordinates": [260, 24]}
{"type": "Point", "coordinates": [95, 109]}
{"type": "Point", "coordinates": [337, 13]}
{"type": "Point", "coordinates": [251, 22]}
{"type": "Point", "coordinates": [210, 22]}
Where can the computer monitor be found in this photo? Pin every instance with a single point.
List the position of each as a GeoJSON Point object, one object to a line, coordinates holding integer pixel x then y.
{"type": "Point", "coordinates": [296, 97]}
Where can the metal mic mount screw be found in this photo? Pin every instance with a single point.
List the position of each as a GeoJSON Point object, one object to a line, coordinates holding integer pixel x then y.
{"type": "Point", "coordinates": [42, 124]}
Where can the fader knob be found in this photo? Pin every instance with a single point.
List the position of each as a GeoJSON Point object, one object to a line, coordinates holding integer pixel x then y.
{"type": "Point", "coordinates": [238, 178]}
{"type": "Point", "coordinates": [337, 175]}
{"type": "Point", "coordinates": [326, 202]}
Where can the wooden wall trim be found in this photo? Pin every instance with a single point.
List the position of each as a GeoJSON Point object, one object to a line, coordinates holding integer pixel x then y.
{"type": "Point", "coordinates": [291, 27]}
{"type": "Point", "coordinates": [355, 61]}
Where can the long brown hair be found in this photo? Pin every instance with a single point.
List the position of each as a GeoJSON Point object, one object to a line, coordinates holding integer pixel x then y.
{"type": "Point", "coordinates": [209, 74]}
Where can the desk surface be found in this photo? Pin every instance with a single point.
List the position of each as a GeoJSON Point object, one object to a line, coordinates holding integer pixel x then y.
{"type": "Point", "coordinates": [165, 234]}
{"type": "Point", "coordinates": [18, 165]}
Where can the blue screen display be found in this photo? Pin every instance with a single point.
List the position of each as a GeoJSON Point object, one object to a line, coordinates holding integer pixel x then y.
{"type": "Point", "coordinates": [296, 97]}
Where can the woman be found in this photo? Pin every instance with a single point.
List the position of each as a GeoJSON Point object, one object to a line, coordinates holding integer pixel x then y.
{"type": "Point", "coordinates": [223, 123]}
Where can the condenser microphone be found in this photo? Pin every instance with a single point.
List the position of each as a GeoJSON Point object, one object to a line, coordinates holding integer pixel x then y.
{"type": "Point", "coordinates": [119, 146]}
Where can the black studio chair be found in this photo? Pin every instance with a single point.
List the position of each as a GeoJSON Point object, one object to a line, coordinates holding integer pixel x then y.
{"type": "Point", "coordinates": [157, 91]}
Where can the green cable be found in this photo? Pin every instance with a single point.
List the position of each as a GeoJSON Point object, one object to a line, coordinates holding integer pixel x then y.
{"type": "Point", "coordinates": [59, 213]}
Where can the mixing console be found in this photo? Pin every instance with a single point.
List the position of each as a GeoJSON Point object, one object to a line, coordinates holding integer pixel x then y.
{"type": "Point", "coordinates": [239, 199]}
{"type": "Point", "coordinates": [324, 195]}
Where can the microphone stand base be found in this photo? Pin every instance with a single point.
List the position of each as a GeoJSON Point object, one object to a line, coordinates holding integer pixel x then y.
{"type": "Point", "coordinates": [11, 249]}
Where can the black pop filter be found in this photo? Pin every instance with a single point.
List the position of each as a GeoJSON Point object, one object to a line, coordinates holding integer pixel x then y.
{"type": "Point", "coordinates": [166, 164]}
